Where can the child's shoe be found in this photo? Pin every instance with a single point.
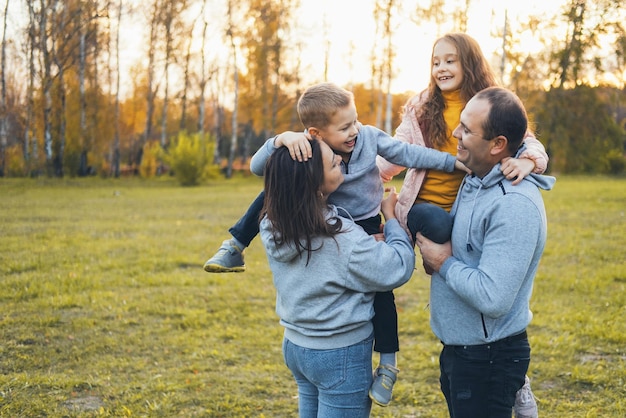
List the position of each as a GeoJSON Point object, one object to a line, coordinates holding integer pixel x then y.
{"type": "Point", "coordinates": [228, 259]}
{"type": "Point", "coordinates": [384, 378]}
{"type": "Point", "coordinates": [525, 403]}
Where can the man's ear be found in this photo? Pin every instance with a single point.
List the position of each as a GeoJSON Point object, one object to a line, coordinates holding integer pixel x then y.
{"type": "Point", "coordinates": [499, 145]}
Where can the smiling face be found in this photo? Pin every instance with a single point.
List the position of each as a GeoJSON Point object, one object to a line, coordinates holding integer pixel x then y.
{"type": "Point", "coordinates": [473, 149]}
{"type": "Point", "coordinates": [333, 177]}
{"type": "Point", "coordinates": [446, 66]}
{"type": "Point", "coordinates": [340, 134]}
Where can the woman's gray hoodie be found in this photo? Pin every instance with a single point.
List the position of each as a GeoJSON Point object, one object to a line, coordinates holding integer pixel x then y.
{"type": "Point", "coordinates": [328, 303]}
{"type": "Point", "coordinates": [481, 294]}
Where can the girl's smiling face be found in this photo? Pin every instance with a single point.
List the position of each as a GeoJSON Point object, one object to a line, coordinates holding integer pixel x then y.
{"type": "Point", "coordinates": [446, 66]}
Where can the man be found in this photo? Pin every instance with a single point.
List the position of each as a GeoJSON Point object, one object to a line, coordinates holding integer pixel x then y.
{"type": "Point", "coordinates": [481, 288]}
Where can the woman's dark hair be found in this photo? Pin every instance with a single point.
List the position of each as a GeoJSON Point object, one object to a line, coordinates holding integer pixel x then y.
{"type": "Point", "coordinates": [293, 201]}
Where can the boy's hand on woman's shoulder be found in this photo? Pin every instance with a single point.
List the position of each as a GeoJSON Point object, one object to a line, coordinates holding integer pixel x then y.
{"type": "Point", "coordinates": [297, 143]}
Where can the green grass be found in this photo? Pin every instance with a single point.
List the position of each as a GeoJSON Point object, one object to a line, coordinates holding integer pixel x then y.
{"type": "Point", "coordinates": [105, 309]}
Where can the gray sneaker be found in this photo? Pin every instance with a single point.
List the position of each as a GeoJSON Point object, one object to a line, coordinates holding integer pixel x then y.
{"type": "Point", "coordinates": [525, 403]}
{"type": "Point", "coordinates": [384, 378]}
{"type": "Point", "coordinates": [228, 259]}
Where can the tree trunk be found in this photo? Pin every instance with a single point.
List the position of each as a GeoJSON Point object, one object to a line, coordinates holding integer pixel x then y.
{"type": "Point", "coordinates": [3, 97]}
{"type": "Point", "coordinates": [115, 163]}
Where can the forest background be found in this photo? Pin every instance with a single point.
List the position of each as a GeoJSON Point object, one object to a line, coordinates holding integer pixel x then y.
{"type": "Point", "coordinates": [65, 109]}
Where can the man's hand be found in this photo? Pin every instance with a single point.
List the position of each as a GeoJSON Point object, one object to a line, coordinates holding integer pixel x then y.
{"type": "Point", "coordinates": [516, 169]}
{"type": "Point", "coordinates": [433, 254]}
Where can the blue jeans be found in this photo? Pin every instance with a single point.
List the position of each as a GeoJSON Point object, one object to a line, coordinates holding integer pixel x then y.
{"type": "Point", "coordinates": [247, 227]}
{"type": "Point", "coordinates": [433, 222]}
{"type": "Point", "coordinates": [481, 380]}
{"type": "Point", "coordinates": [332, 383]}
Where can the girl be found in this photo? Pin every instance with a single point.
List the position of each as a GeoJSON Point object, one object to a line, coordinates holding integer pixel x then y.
{"type": "Point", "coordinates": [459, 71]}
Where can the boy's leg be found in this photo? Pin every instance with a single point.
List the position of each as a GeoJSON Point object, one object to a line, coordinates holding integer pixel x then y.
{"type": "Point", "coordinates": [229, 257]}
{"type": "Point", "coordinates": [386, 343]}
{"type": "Point", "coordinates": [247, 227]}
{"type": "Point", "coordinates": [385, 333]}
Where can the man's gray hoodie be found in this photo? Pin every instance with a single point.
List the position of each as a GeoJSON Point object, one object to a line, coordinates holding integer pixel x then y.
{"type": "Point", "coordinates": [328, 303]}
{"type": "Point", "coordinates": [481, 294]}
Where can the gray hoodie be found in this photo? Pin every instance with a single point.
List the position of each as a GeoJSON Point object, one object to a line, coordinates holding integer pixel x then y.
{"type": "Point", "coordinates": [328, 303]}
{"type": "Point", "coordinates": [362, 190]}
{"type": "Point", "coordinates": [482, 293]}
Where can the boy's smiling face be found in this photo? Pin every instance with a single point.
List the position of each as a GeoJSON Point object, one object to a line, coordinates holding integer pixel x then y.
{"type": "Point", "coordinates": [340, 134]}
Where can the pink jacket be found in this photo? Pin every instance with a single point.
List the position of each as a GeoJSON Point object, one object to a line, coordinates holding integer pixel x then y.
{"type": "Point", "coordinates": [409, 131]}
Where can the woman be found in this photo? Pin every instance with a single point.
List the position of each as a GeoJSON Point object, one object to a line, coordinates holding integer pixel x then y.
{"type": "Point", "coordinates": [326, 272]}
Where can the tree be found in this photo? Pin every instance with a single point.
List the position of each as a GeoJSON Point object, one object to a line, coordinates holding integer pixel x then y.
{"type": "Point", "coordinates": [115, 160]}
{"type": "Point", "coordinates": [578, 130]}
{"type": "Point", "coordinates": [3, 95]}
{"type": "Point", "coordinates": [233, 140]}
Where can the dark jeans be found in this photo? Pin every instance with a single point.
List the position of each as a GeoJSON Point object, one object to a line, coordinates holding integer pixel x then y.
{"type": "Point", "coordinates": [431, 220]}
{"type": "Point", "coordinates": [247, 227]}
{"type": "Point", "coordinates": [481, 380]}
{"type": "Point", "coordinates": [385, 314]}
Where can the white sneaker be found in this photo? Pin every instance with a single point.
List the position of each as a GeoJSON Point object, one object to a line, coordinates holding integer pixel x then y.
{"type": "Point", "coordinates": [525, 403]}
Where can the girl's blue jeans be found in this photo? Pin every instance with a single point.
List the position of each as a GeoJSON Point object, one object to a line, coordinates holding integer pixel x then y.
{"type": "Point", "coordinates": [332, 383]}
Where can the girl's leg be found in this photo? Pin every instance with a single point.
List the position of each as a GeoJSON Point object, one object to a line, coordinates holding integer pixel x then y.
{"type": "Point", "coordinates": [431, 220]}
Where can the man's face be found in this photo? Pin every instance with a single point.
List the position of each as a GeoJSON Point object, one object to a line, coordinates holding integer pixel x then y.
{"type": "Point", "coordinates": [473, 150]}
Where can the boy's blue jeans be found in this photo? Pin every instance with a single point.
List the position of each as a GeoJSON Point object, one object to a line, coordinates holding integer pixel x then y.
{"type": "Point", "coordinates": [247, 227]}
{"type": "Point", "coordinates": [332, 383]}
{"type": "Point", "coordinates": [482, 380]}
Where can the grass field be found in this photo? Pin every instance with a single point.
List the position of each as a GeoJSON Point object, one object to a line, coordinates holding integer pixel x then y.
{"type": "Point", "coordinates": [105, 309]}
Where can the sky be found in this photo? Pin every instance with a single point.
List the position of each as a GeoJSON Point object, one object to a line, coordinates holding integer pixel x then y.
{"type": "Point", "coordinates": [351, 22]}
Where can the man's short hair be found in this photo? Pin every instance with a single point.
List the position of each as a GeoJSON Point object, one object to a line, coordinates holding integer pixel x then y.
{"type": "Point", "coordinates": [507, 116]}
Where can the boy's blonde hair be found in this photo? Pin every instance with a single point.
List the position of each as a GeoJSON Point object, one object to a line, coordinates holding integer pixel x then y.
{"type": "Point", "coordinates": [319, 103]}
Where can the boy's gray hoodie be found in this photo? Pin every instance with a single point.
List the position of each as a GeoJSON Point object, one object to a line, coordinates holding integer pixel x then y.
{"type": "Point", "coordinates": [482, 293]}
{"type": "Point", "coordinates": [362, 190]}
{"type": "Point", "coordinates": [328, 303]}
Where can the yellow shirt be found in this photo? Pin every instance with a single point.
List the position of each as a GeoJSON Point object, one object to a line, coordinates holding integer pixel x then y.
{"type": "Point", "coordinates": [440, 188]}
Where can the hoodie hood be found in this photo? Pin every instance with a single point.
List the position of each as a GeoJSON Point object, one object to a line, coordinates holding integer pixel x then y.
{"type": "Point", "coordinates": [286, 251]}
{"type": "Point", "coordinates": [495, 176]}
